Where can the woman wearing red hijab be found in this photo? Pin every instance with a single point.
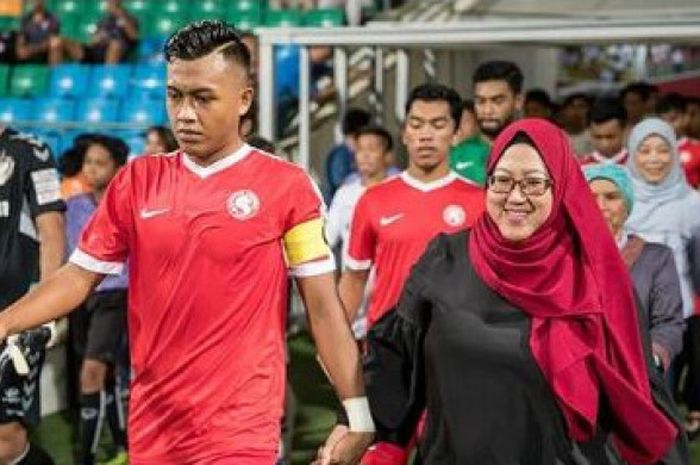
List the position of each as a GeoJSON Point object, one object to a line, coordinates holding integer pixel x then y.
{"type": "Point", "coordinates": [520, 337]}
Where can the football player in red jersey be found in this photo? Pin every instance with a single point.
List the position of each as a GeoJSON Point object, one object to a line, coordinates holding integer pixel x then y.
{"type": "Point", "coordinates": [210, 236]}
{"type": "Point", "coordinates": [394, 220]}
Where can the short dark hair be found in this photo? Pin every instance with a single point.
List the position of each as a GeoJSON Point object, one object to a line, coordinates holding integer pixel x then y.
{"type": "Point", "coordinates": [116, 147]}
{"type": "Point", "coordinates": [607, 109]}
{"type": "Point", "coordinates": [165, 135]}
{"type": "Point", "coordinates": [570, 99]}
{"type": "Point", "coordinates": [355, 119]}
{"type": "Point", "coordinates": [500, 70]}
{"type": "Point", "coordinates": [539, 96]}
{"type": "Point", "coordinates": [378, 131]}
{"type": "Point", "coordinates": [261, 143]}
{"type": "Point", "coordinates": [643, 89]}
{"type": "Point", "coordinates": [200, 38]}
{"type": "Point", "coordinates": [434, 92]}
{"type": "Point", "coordinates": [672, 102]}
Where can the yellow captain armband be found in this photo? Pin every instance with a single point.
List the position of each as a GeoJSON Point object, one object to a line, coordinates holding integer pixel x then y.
{"type": "Point", "coordinates": [305, 242]}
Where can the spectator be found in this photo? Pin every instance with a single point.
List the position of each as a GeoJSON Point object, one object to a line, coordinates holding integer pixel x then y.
{"type": "Point", "coordinates": [639, 100]}
{"type": "Point", "coordinates": [99, 328]}
{"type": "Point", "coordinates": [468, 157]}
{"type": "Point", "coordinates": [159, 139]}
{"type": "Point", "coordinates": [340, 160]}
{"type": "Point", "coordinates": [673, 109]}
{"type": "Point", "coordinates": [73, 180]}
{"type": "Point", "coordinates": [538, 104]}
{"type": "Point", "coordinates": [38, 40]}
{"type": "Point", "coordinates": [116, 35]}
{"type": "Point", "coordinates": [573, 117]}
{"type": "Point", "coordinates": [607, 122]}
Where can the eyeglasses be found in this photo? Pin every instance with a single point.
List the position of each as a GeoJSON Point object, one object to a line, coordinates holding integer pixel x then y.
{"type": "Point", "coordinates": [530, 186]}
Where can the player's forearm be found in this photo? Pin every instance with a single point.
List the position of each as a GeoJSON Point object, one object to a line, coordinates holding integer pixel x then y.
{"type": "Point", "coordinates": [51, 299]}
{"type": "Point", "coordinates": [351, 288]}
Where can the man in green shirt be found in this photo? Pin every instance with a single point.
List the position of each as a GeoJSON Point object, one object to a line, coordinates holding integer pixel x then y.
{"type": "Point", "coordinates": [498, 99]}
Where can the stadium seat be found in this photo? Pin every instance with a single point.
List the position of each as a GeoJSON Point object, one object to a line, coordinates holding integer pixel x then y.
{"type": "Point", "coordinates": [69, 80]}
{"type": "Point", "coordinates": [29, 81]}
{"type": "Point", "coordinates": [140, 8]}
{"type": "Point", "coordinates": [98, 110]}
{"type": "Point", "coordinates": [53, 109]}
{"type": "Point", "coordinates": [165, 24]}
{"type": "Point", "coordinates": [244, 20]}
{"type": "Point", "coordinates": [83, 27]}
{"type": "Point", "coordinates": [8, 22]}
{"type": "Point", "coordinates": [208, 9]}
{"type": "Point", "coordinates": [134, 139]}
{"type": "Point", "coordinates": [283, 18]}
{"type": "Point", "coordinates": [142, 111]}
{"type": "Point", "coordinates": [325, 17]}
{"type": "Point", "coordinates": [4, 79]}
{"type": "Point", "coordinates": [63, 8]}
{"type": "Point", "coordinates": [148, 81]}
{"type": "Point", "coordinates": [150, 49]}
{"type": "Point", "coordinates": [256, 6]}
{"type": "Point", "coordinates": [110, 81]}
{"type": "Point", "coordinates": [14, 109]}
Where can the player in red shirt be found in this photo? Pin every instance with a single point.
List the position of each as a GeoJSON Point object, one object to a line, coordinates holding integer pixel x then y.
{"type": "Point", "coordinates": [606, 125]}
{"type": "Point", "coordinates": [210, 233]}
{"type": "Point", "coordinates": [394, 221]}
{"type": "Point", "coordinates": [673, 108]}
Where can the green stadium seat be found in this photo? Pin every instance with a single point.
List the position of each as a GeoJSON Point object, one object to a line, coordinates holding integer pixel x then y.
{"type": "Point", "coordinates": [64, 8]}
{"type": "Point", "coordinates": [4, 78]}
{"type": "Point", "coordinates": [325, 17]}
{"type": "Point", "coordinates": [283, 18]}
{"type": "Point", "coordinates": [8, 22]}
{"type": "Point", "coordinates": [174, 7]}
{"type": "Point", "coordinates": [141, 9]}
{"type": "Point", "coordinates": [165, 25]}
{"type": "Point", "coordinates": [29, 81]}
{"type": "Point", "coordinates": [245, 20]}
{"type": "Point", "coordinates": [248, 5]}
{"type": "Point", "coordinates": [208, 9]}
{"type": "Point", "coordinates": [81, 27]}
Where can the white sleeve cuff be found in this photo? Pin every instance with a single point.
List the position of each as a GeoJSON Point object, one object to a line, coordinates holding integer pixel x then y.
{"type": "Point", "coordinates": [356, 265]}
{"type": "Point", "coordinates": [315, 268]}
{"type": "Point", "coordinates": [90, 263]}
{"type": "Point", "coordinates": [359, 416]}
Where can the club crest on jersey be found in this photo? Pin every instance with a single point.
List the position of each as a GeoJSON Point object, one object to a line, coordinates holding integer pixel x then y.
{"type": "Point", "coordinates": [243, 204]}
{"type": "Point", "coordinates": [454, 215]}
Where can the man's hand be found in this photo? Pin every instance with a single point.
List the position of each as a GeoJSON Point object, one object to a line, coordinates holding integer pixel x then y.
{"type": "Point", "coordinates": [343, 447]}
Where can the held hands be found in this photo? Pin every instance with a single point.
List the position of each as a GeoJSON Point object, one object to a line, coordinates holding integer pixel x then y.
{"type": "Point", "coordinates": [343, 447]}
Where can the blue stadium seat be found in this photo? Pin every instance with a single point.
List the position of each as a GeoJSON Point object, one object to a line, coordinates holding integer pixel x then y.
{"type": "Point", "coordinates": [109, 81]}
{"type": "Point", "coordinates": [142, 111]}
{"type": "Point", "coordinates": [134, 139]}
{"type": "Point", "coordinates": [54, 109]}
{"type": "Point", "coordinates": [150, 50]}
{"type": "Point", "coordinates": [98, 110]}
{"type": "Point", "coordinates": [15, 109]}
{"type": "Point", "coordinates": [69, 80]}
{"type": "Point", "coordinates": [148, 81]}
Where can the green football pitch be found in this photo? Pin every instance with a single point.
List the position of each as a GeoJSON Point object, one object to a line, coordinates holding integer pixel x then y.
{"type": "Point", "coordinates": [315, 413]}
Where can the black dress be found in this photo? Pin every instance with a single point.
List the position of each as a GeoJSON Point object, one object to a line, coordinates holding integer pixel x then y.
{"type": "Point", "coordinates": [457, 349]}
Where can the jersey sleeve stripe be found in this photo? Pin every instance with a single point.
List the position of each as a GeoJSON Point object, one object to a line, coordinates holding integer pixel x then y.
{"type": "Point", "coordinates": [90, 263]}
{"type": "Point", "coordinates": [315, 268]}
{"type": "Point", "coordinates": [356, 265]}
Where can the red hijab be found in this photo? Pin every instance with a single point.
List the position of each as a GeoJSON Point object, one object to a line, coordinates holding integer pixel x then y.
{"type": "Point", "coordinates": [569, 278]}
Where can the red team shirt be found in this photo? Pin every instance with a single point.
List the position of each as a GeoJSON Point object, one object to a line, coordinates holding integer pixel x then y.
{"type": "Point", "coordinates": [393, 223]}
{"type": "Point", "coordinates": [207, 299]}
{"type": "Point", "coordinates": [596, 158]}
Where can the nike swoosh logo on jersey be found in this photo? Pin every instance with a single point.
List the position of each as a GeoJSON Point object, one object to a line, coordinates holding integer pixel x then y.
{"type": "Point", "coordinates": [463, 164]}
{"type": "Point", "coordinates": [145, 214]}
{"type": "Point", "coordinates": [387, 220]}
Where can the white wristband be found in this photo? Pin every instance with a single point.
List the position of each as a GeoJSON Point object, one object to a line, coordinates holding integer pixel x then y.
{"type": "Point", "coordinates": [359, 416]}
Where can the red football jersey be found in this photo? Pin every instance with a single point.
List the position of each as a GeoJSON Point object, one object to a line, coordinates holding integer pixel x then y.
{"type": "Point", "coordinates": [393, 223]}
{"type": "Point", "coordinates": [207, 299]}
{"type": "Point", "coordinates": [595, 158]}
{"type": "Point", "coordinates": [689, 151]}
